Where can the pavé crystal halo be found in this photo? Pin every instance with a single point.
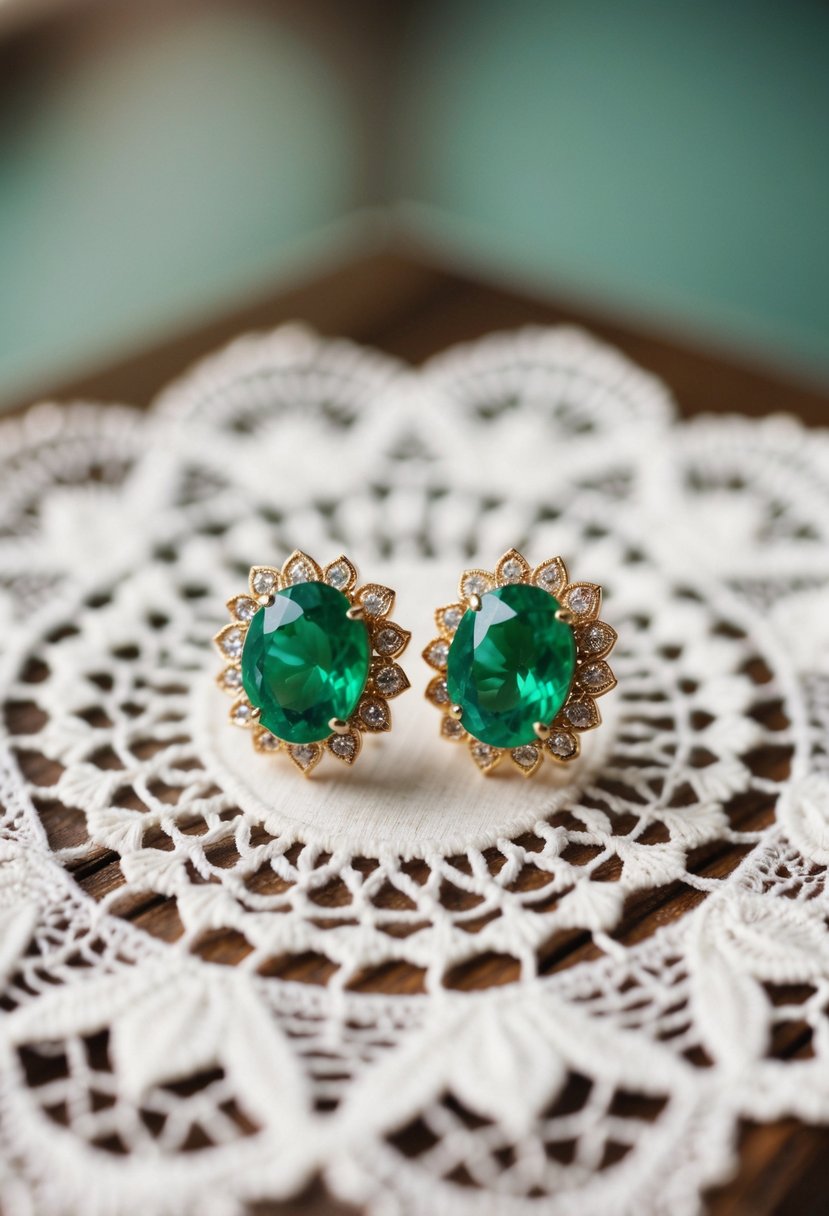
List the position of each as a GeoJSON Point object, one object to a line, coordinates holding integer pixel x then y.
{"type": "Point", "coordinates": [521, 658]}
{"type": "Point", "coordinates": [311, 659]}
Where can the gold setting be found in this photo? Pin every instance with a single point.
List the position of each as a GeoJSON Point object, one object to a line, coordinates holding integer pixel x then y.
{"type": "Point", "coordinates": [559, 740]}
{"type": "Point", "coordinates": [371, 603]}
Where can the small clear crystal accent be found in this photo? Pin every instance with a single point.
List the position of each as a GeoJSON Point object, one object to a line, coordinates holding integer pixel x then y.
{"type": "Point", "coordinates": [263, 582]}
{"type": "Point", "coordinates": [342, 745]}
{"type": "Point", "coordinates": [562, 745]}
{"type": "Point", "coordinates": [373, 603]}
{"type": "Point", "coordinates": [298, 573]}
{"type": "Point", "coordinates": [595, 638]}
{"type": "Point", "coordinates": [475, 584]}
{"type": "Point", "coordinates": [482, 752]}
{"type": "Point", "coordinates": [549, 578]}
{"type": "Point", "coordinates": [241, 714]}
{"type": "Point", "coordinates": [304, 753]}
{"type": "Point", "coordinates": [451, 728]}
{"type": "Point", "coordinates": [512, 570]}
{"type": "Point", "coordinates": [268, 742]}
{"type": "Point", "coordinates": [387, 680]}
{"type": "Point", "coordinates": [593, 676]}
{"type": "Point", "coordinates": [232, 678]}
{"type": "Point", "coordinates": [579, 714]}
{"type": "Point", "coordinates": [388, 641]}
{"type": "Point", "coordinates": [526, 756]}
{"type": "Point", "coordinates": [246, 609]}
{"type": "Point", "coordinates": [373, 714]}
{"type": "Point", "coordinates": [337, 576]}
{"type": "Point", "coordinates": [452, 618]}
{"type": "Point", "coordinates": [438, 653]}
{"type": "Point", "coordinates": [232, 643]}
{"type": "Point", "coordinates": [580, 600]}
{"type": "Point", "coordinates": [440, 693]}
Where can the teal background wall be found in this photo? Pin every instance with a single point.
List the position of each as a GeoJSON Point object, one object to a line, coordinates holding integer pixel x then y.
{"type": "Point", "coordinates": [669, 161]}
{"type": "Point", "coordinates": [671, 158]}
{"type": "Point", "coordinates": [150, 169]}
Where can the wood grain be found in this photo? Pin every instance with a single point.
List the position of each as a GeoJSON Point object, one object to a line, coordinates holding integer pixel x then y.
{"type": "Point", "coordinates": [400, 301]}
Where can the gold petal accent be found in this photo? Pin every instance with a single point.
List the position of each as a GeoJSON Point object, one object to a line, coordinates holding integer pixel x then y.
{"type": "Point", "coordinates": [485, 757]}
{"type": "Point", "coordinates": [595, 677]}
{"type": "Point", "coordinates": [583, 599]}
{"type": "Point", "coordinates": [436, 692]}
{"type": "Point", "coordinates": [264, 741]}
{"type": "Point", "coordinates": [436, 654]}
{"type": "Point", "coordinates": [595, 641]}
{"type": "Point", "coordinates": [242, 608]}
{"type": "Point", "coordinates": [345, 747]}
{"type": "Point", "coordinates": [448, 618]}
{"type": "Point", "coordinates": [341, 574]}
{"type": "Point", "coordinates": [389, 640]}
{"type": "Point", "coordinates": [263, 580]}
{"type": "Point", "coordinates": [527, 758]}
{"type": "Point", "coordinates": [512, 568]}
{"type": "Point", "coordinates": [376, 599]}
{"type": "Point", "coordinates": [300, 568]}
{"type": "Point", "coordinates": [551, 575]}
{"type": "Point", "coordinates": [230, 640]}
{"type": "Point", "coordinates": [373, 714]}
{"type": "Point", "coordinates": [306, 756]}
{"type": "Point", "coordinates": [475, 582]}
{"type": "Point", "coordinates": [389, 679]}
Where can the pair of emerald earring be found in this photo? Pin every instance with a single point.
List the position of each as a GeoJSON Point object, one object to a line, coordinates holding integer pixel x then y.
{"type": "Point", "coordinates": [311, 660]}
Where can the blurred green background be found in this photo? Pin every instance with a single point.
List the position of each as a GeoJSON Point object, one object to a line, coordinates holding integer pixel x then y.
{"type": "Point", "coordinates": [667, 162]}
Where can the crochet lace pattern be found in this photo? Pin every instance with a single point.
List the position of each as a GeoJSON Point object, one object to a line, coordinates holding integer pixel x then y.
{"type": "Point", "coordinates": [140, 1074]}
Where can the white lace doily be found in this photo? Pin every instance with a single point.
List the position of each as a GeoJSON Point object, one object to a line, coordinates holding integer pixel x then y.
{"type": "Point", "coordinates": [139, 1074]}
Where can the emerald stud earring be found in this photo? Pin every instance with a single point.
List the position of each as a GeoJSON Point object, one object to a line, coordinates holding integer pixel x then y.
{"type": "Point", "coordinates": [310, 659]}
{"type": "Point", "coordinates": [520, 659]}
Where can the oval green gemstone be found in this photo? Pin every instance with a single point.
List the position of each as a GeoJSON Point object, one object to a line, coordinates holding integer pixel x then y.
{"type": "Point", "coordinates": [511, 665]}
{"type": "Point", "coordinates": [304, 662]}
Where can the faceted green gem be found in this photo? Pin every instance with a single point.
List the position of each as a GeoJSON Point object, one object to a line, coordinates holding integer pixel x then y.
{"type": "Point", "coordinates": [304, 662]}
{"type": "Point", "coordinates": [511, 665]}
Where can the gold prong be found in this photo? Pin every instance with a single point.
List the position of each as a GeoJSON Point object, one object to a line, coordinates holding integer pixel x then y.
{"type": "Point", "coordinates": [541, 731]}
{"type": "Point", "coordinates": [565, 615]}
{"type": "Point", "coordinates": [455, 712]}
{"type": "Point", "coordinates": [356, 612]}
{"type": "Point", "coordinates": [474, 602]}
{"type": "Point", "coordinates": [339, 726]}
{"type": "Point", "coordinates": [265, 601]}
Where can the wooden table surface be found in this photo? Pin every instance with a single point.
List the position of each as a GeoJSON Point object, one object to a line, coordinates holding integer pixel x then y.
{"type": "Point", "coordinates": [401, 302]}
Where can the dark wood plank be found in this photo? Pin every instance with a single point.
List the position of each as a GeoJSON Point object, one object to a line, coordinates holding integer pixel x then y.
{"type": "Point", "coordinates": [782, 1173]}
